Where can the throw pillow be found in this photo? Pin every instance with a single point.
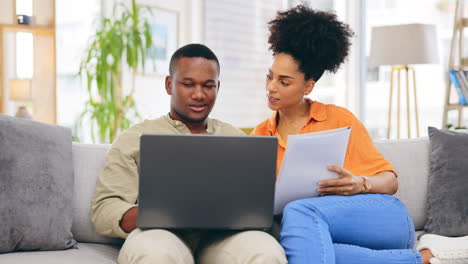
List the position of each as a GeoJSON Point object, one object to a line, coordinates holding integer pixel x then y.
{"type": "Point", "coordinates": [447, 199]}
{"type": "Point", "coordinates": [36, 186]}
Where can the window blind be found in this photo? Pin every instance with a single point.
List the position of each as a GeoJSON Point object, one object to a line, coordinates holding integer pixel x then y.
{"type": "Point", "coordinates": [237, 31]}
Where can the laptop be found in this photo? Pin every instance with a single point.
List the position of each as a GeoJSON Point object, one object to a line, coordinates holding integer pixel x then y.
{"type": "Point", "coordinates": [206, 182]}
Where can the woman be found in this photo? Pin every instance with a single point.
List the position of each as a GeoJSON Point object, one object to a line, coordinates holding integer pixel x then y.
{"type": "Point", "coordinates": [355, 220]}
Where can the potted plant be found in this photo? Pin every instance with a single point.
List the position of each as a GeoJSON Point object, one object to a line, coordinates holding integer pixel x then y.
{"type": "Point", "coordinates": [125, 38]}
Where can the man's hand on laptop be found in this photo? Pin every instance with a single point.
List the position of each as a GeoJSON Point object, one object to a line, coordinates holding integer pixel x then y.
{"type": "Point", "coordinates": [129, 220]}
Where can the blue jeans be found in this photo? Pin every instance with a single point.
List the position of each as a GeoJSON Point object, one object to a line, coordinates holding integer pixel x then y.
{"type": "Point", "coordinates": [363, 228]}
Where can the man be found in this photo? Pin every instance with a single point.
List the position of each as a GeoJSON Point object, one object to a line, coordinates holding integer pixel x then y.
{"type": "Point", "coordinates": [193, 86]}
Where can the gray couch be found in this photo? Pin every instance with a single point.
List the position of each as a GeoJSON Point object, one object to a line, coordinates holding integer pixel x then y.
{"type": "Point", "coordinates": [409, 157]}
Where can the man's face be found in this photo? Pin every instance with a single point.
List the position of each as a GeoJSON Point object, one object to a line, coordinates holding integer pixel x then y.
{"type": "Point", "coordinates": [193, 88]}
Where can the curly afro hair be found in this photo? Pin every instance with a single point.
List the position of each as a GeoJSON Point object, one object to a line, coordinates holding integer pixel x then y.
{"type": "Point", "coordinates": [315, 39]}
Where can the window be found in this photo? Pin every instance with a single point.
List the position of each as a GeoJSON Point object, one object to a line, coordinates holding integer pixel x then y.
{"type": "Point", "coordinates": [24, 44]}
{"type": "Point", "coordinates": [24, 7]}
{"type": "Point", "coordinates": [237, 32]}
{"type": "Point", "coordinates": [24, 55]}
{"type": "Point", "coordinates": [75, 23]}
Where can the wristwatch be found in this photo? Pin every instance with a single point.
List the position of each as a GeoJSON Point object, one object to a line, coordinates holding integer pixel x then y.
{"type": "Point", "coordinates": [367, 184]}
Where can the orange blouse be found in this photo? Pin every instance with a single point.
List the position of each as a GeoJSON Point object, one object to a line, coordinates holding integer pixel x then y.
{"type": "Point", "coordinates": [362, 157]}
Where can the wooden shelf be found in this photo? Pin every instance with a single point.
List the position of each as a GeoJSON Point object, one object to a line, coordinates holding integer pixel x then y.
{"type": "Point", "coordinates": [464, 22]}
{"type": "Point", "coordinates": [456, 61]}
{"type": "Point", "coordinates": [464, 62]}
{"type": "Point", "coordinates": [39, 30]}
{"type": "Point", "coordinates": [455, 107]}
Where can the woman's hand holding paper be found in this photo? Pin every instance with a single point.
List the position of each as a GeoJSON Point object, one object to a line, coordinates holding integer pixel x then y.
{"type": "Point", "coordinates": [346, 184]}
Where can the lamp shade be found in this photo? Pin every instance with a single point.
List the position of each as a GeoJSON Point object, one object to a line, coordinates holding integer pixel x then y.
{"type": "Point", "coordinates": [20, 90]}
{"type": "Point", "coordinates": [403, 45]}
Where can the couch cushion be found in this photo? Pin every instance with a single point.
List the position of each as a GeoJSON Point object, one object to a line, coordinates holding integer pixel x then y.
{"type": "Point", "coordinates": [410, 159]}
{"type": "Point", "coordinates": [36, 186]}
{"type": "Point", "coordinates": [88, 159]}
{"type": "Point", "coordinates": [86, 253]}
{"type": "Point", "coordinates": [447, 203]}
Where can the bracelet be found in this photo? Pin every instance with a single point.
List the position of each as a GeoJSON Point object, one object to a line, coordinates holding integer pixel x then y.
{"type": "Point", "coordinates": [367, 184]}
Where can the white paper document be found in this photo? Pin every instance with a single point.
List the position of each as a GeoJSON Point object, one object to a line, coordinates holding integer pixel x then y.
{"type": "Point", "coordinates": [305, 164]}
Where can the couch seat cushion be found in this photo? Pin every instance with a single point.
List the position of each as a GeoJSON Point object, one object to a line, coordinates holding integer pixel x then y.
{"type": "Point", "coordinates": [86, 253]}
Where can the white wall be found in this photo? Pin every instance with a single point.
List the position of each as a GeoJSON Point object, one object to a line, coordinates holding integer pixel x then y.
{"type": "Point", "coordinates": [6, 13]}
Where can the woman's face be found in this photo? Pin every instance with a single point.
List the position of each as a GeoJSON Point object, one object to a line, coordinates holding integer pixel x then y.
{"type": "Point", "coordinates": [285, 84]}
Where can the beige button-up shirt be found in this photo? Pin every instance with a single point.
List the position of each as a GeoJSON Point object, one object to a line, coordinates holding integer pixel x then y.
{"type": "Point", "coordinates": [117, 188]}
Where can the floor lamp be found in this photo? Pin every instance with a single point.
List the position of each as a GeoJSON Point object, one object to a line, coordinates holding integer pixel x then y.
{"type": "Point", "coordinates": [401, 46]}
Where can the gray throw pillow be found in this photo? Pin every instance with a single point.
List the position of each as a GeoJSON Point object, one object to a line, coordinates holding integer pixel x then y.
{"type": "Point", "coordinates": [447, 199]}
{"type": "Point", "coordinates": [36, 186]}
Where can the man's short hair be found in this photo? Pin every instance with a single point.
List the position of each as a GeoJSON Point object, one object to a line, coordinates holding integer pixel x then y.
{"type": "Point", "coordinates": [192, 51]}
